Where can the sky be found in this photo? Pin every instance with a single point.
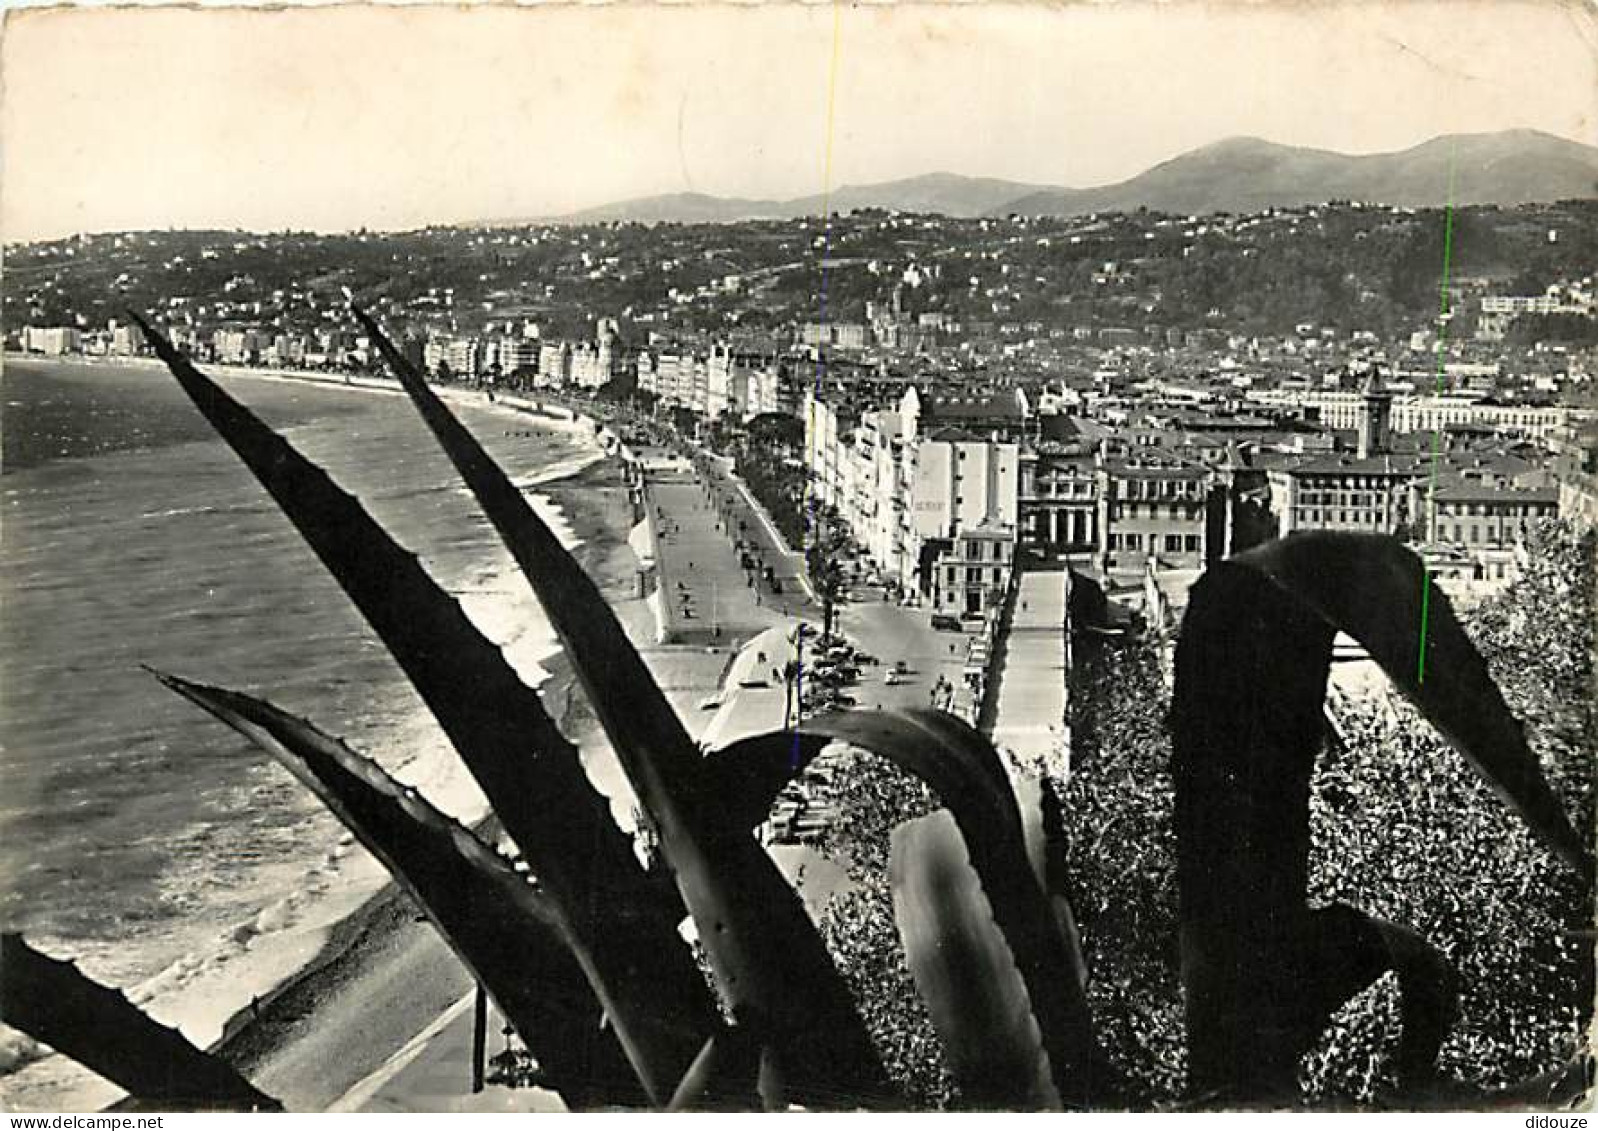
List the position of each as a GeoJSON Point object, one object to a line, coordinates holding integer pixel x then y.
{"type": "Point", "coordinates": [395, 117]}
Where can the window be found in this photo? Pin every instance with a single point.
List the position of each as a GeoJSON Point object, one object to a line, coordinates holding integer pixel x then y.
{"type": "Point", "coordinates": [1190, 543]}
{"type": "Point", "coordinates": [1173, 543]}
{"type": "Point", "coordinates": [973, 576]}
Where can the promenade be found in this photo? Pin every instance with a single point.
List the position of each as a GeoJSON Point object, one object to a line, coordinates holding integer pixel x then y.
{"type": "Point", "coordinates": [1029, 693]}
{"type": "Point", "coordinates": [750, 522]}
{"type": "Point", "coordinates": [706, 594]}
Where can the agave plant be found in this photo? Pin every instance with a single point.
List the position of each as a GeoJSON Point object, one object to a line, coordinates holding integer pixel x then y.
{"type": "Point", "coordinates": [578, 942]}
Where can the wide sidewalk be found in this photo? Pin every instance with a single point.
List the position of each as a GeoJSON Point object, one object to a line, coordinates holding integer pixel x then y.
{"type": "Point", "coordinates": [1029, 692]}
{"type": "Point", "coordinates": [705, 593]}
{"type": "Point", "coordinates": [749, 520]}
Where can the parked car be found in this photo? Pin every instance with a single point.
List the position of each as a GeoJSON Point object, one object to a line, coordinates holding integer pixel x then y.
{"type": "Point", "coordinates": [892, 677]}
{"type": "Point", "coordinates": [945, 622]}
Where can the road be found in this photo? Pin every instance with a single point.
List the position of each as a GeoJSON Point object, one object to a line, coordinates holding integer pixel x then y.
{"type": "Point", "coordinates": [890, 632]}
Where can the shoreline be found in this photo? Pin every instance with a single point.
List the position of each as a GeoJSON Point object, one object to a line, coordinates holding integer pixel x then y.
{"type": "Point", "coordinates": [375, 977]}
{"type": "Point", "coordinates": [513, 405]}
{"type": "Point", "coordinates": [386, 927]}
{"type": "Point", "coordinates": [384, 969]}
{"type": "Point", "coordinates": [347, 916]}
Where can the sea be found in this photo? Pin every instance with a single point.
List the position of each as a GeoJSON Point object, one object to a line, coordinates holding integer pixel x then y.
{"type": "Point", "coordinates": [139, 837]}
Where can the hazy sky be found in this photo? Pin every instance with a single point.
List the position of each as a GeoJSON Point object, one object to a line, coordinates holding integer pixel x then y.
{"type": "Point", "coordinates": [336, 118]}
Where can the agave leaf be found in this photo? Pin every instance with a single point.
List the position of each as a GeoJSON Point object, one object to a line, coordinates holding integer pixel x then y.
{"type": "Point", "coordinates": [1043, 824]}
{"type": "Point", "coordinates": [53, 1002]}
{"type": "Point", "coordinates": [1428, 994]}
{"type": "Point", "coordinates": [722, 1076]}
{"type": "Point", "coordinates": [512, 937]}
{"type": "Point", "coordinates": [1378, 592]}
{"type": "Point", "coordinates": [766, 956]}
{"type": "Point", "coordinates": [1248, 716]}
{"type": "Point", "coordinates": [964, 770]}
{"type": "Point", "coordinates": [600, 653]}
{"type": "Point", "coordinates": [964, 971]}
{"type": "Point", "coordinates": [530, 773]}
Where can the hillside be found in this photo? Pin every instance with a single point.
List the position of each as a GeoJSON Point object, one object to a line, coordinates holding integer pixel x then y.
{"type": "Point", "coordinates": [1235, 175]}
{"type": "Point", "coordinates": [1248, 174]}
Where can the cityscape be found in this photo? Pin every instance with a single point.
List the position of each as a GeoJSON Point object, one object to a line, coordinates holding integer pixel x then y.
{"type": "Point", "coordinates": [1064, 387]}
{"type": "Point", "coordinates": [799, 558]}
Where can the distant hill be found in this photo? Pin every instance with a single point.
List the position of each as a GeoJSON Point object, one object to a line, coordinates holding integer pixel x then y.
{"type": "Point", "coordinates": [1248, 174]}
{"type": "Point", "coordinates": [1236, 175]}
{"type": "Point", "coordinates": [944, 193]}
{"type": "Point", "coordinates": [682, 208]}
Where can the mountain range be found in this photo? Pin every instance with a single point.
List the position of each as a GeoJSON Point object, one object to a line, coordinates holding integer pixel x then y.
{"type": "Point", "coordinates": [1243, 174]}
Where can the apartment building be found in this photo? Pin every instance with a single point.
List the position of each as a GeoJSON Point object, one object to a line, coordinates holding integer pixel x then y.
{"type": "Point", "coordinates": [1153, 507]}
{"type": "Point", "coordinates": [1058, 500]}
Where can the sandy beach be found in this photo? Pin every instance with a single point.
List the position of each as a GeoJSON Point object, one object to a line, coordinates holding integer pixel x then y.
{"type": "Point", "coordinates": [368, 1012]}
{"type": "Point", "coordinates": [336, 1035]}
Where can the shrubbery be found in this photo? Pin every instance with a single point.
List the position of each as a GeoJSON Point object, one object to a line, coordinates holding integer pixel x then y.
{"type": "Point", "coordinates": [1401, 828]}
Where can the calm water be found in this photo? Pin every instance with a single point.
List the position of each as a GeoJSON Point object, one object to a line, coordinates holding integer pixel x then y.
{"type": "Point", "coordinates": [135, 832]}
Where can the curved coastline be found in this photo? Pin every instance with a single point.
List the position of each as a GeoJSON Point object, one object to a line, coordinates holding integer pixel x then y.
{"type": "Point", "coordinates": [383, 920]}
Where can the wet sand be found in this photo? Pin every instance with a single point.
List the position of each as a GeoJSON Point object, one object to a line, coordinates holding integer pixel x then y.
{"type": "Point", "coordinates": [385, 976]}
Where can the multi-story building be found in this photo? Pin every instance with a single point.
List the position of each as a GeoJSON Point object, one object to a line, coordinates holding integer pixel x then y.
{"type": "Point", "coordinates": [963, 480]}
{"type": "Point", "coordinates": [1344, 409]}
{"type": "Point", "coordinates": [762, 390]}
{"type": "Point", "coordinates": [1552, 302]}
{"type": "Point", "coordinates": [592, 364]}
{"type": "Point", "coordinates": [1576, 450]}
{"type": "Point", "coordinates": [680, 378]}
{"type": "Point", "coordinates": [1371, 495]}
{"type": "Point", "coordinates": [828, 425]}
{"type": "Point", "coordinates": [232, 346]}
{"type": "Point", "coordinates": [909, 495]}
{"type": "Point", "coordinates": [1153, 507]}
{"type": "Point", "coordinates": [972, 575]}
{"type": "Point", "coordinates": [127, 340]}
{"type": "Point", "coordinates": [518, 356]}
{"type": "Point", "coordinates": [464, 355]}
{"type": "Point", "coordinates": [1485, 520]}
{"type": "Point", "coordinates": [286, 350]}
{"type": "Point", "coordinates": [1058, 500]}
{"type": "Point", "coordinates": [838, 335]}
{"type": "Point", "coordinates": [434, 351]}
{"type": "Point", "coordinates": [554, 365]}
{"type": "Point", "coordinates": [724, 393]}
{"type": "Point", "coordinates": [52, 340]}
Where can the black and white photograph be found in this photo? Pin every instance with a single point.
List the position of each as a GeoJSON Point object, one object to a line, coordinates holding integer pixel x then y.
{"type": "Point", "coordinates": [799, 557]}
